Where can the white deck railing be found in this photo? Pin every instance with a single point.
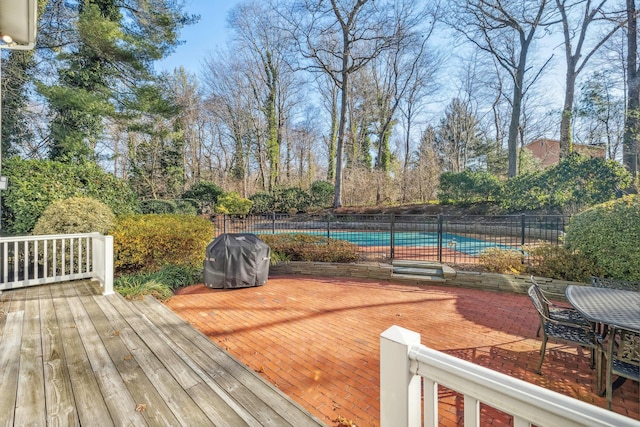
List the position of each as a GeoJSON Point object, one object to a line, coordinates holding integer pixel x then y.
{"type": "Point", "coordinates": [404, 362]}
{"type": "Point", "coordinates": [37, 260]}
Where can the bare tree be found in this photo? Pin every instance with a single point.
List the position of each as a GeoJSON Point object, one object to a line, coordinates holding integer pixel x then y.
{"type": "Point", "coordinates": [258, 38]}
{"type": "Point", "coordinates": [339, 37]}
{"type": "Point", "coordinates": [574, 43]}
{"type": "Point", "coordinates": [506, 31]}
{"type": "Point", "coordinates": [632, 119]}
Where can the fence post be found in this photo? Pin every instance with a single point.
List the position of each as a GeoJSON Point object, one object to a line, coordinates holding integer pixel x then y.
{"type": "Point", "coordinates": [522, 225]}
{"type": "Point", "coordinates": [439, 237]}
{"type": "Point", "coordinates": [273, 223]}
{"type": "Point", "coordinates": [328, 226]}
{"type": "Point", "coordinates": [224, 223]}
{"type": "Point", "coordinates": [399, 387]}
{"type": "Point", "coordinates": [392, 232]}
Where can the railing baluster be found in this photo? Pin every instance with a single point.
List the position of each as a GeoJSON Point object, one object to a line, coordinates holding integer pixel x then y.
{"type": "Point", "coordinates": [63, 256]}
{"type": "Point", "coordinates": [16, 256]}
{"type": "Point", "coordinates": [430, 388]}
{"type": "Point", "coordinates": [471, 411]}
{"type": "Point", "coordinates": [71, 256]}
{"type": "Point", "coordinates": [5, 262]}
{"type": "Point", "coordinates": [35, 259]}
{"type": "Point", "coordinates": [46, 257]}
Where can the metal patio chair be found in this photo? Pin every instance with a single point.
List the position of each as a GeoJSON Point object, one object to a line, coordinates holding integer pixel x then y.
{"type": "Point", "coordinates": [622, 285]}
{"type": "Point", "coordinates": [558, 312]}
{"type": "Point", "coordinates": [566, 332]}
{"type": "Point", "coordinates": [623, 358]}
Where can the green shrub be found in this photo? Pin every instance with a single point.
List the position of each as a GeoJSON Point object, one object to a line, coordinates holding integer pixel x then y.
{"type": "Point", "coordinates": [187, 206]}
{"type": "Point", "coordinates": [468, 187]}
{"type": "Point", "coordinates": [608, 234]}
{"type": "Point", "coordinates": [179, 276]}
{"type": "Point", "coordinates": [574, 183]}
{"type": "Point", "coordinates": [321, 193]}
{"type": "Point", "coordinates": [206, 193]}
{"type": "Point", "coordinates": [525, 192]}
{"type": "Point", "coordinates": [75, 215]}
{"type": "Point", "coordinates": [35, 184]}
{"type": "Point", "coordinates": [558, 262]}
{"type": "Point", "coordinates": [308, 247]}
{"type": "Point", "coordinates": [232, 204]}
{"type": "Point", "coordinates": [289, 199]}
{"type": "Point", "coordinates": [149, 242]}
{"type": "Point", "coordinates": [262, 203]}
{"type": "Point", "coordinates": [153, 206]}
{"type": "Point", "coordinates": [503, 261]}
{"type": "Point", "coordinates": [137, 286]}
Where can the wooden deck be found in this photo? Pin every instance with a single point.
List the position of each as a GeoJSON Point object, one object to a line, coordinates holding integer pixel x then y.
{"type": "Point", "coordinates": [70, 356]}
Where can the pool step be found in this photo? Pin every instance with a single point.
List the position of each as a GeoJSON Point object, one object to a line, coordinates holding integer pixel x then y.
{"type": "Point", "coordinates": [421, 270]}
{"type": "Point", "coordinates": [417, 271]}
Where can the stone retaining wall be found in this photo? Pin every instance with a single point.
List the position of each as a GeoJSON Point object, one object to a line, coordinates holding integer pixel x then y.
{"type": "Point", "coordinates": [465, 279]}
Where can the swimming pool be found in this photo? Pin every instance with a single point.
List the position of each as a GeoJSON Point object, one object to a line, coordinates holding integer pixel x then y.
{"type": "Point", "coordinates": [467, 245]}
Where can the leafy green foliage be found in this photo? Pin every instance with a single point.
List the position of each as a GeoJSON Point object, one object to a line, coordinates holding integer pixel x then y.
{"type": "Point", "coordinates": [262, 203]}
{"type": "Point", "coordinates": [206, 193]}
{"type": "Point", "coordinates": [321, 193]}
{"type": "Point", "coordinates": [35, 184]}
{"type": "Point", "coordinates": [232, 204]}
{"type": "Point", "coordinates": [504, 261]}
{"type": "Point", "coordinates": [608, 235]}
{"type": "Point", "coordinates": [75, 215]}
{"type": "Point", "coordinates": [186, 206]}
{"type": "Point", "coordinates": [105, 63]}
{"type": "Point", "coordinates": [574, 183]}
{"type": "Point", "coordinates": [281, 200]}
{"type": "Point", "coordinates": [178, 206]}
{"type": "Point", "coordinates": [159, 284]}
{"type": "Point", "coordinates": [468, 187]}
{"type": "Point", "coordinates": [137, 286]}
{"type": "Point", "coordinates": [289, 199]}
{"type": "Point", "coordinates": [153, 206]}
{"type": "Point", "coordinates": [179, 276]}
{"type": "Point", "coordinates": [559, 262]}
{"type": "Point", "coordinates": [308, 247]}
{"type": "Point", "coordinates": [149, 242]}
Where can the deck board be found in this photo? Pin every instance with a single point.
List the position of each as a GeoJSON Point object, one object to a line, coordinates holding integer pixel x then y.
{"type": "Point", "coordinates": [70, 356]}
{"type": "Point", "coordinates": [58, 393]}
{"type": "Point", "coordinates": [30, 399]}
{"type": "Point", "coordinates": [229, 372]}
{"type": "Point", "coordinates": [89, 404]}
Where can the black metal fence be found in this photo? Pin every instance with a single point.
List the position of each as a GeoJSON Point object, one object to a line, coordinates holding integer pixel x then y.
{"type": "Point", "coordinates": [443, 238]}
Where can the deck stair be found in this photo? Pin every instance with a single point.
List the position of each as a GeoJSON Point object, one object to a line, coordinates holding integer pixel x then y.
{"type": "Point", "coordinates": [421, 271]}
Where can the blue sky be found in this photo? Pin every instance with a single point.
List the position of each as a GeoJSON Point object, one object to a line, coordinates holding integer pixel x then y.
{"type": "Point", "coordinates": [201, 38]}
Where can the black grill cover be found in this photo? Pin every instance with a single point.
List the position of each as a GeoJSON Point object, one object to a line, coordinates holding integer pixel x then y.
{"type": "Point", "coordinates": [236, 261]}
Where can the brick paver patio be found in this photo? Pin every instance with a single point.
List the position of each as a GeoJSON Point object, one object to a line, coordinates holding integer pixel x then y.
{"type": "Point", "coordinates": [317, 339]}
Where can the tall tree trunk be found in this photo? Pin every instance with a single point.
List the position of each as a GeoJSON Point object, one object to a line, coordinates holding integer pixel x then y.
{"type": "Point", "coordinates": [331, 167]}
{"type": "Point", "coordinates": [344, 97]}
{"type": "Point", "coordinates": [566, 133]}
{"type": "Point", "coordinates": [632, 121]}
{"type": "Point", "coordinates": [514, 125]}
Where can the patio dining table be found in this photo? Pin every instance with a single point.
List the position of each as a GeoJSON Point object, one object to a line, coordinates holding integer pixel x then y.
{"type": "Point", "coordinates": [609, 307]}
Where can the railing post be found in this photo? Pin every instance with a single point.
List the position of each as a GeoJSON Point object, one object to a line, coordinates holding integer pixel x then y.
{"type": "Point", "coordinates": [108, 265]}
{"type": "Point", "coordinates": [102, 264]}
{"type": "Point", "coordinates": [224, 223]}
{"type": "Point", "coordinates": [399, 387]}
{"type": "Point", "coordinates": [522, 225]}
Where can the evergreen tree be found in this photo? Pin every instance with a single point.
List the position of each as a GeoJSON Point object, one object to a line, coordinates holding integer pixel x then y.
{"type": "Point", "coordinates": [116, 45]}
